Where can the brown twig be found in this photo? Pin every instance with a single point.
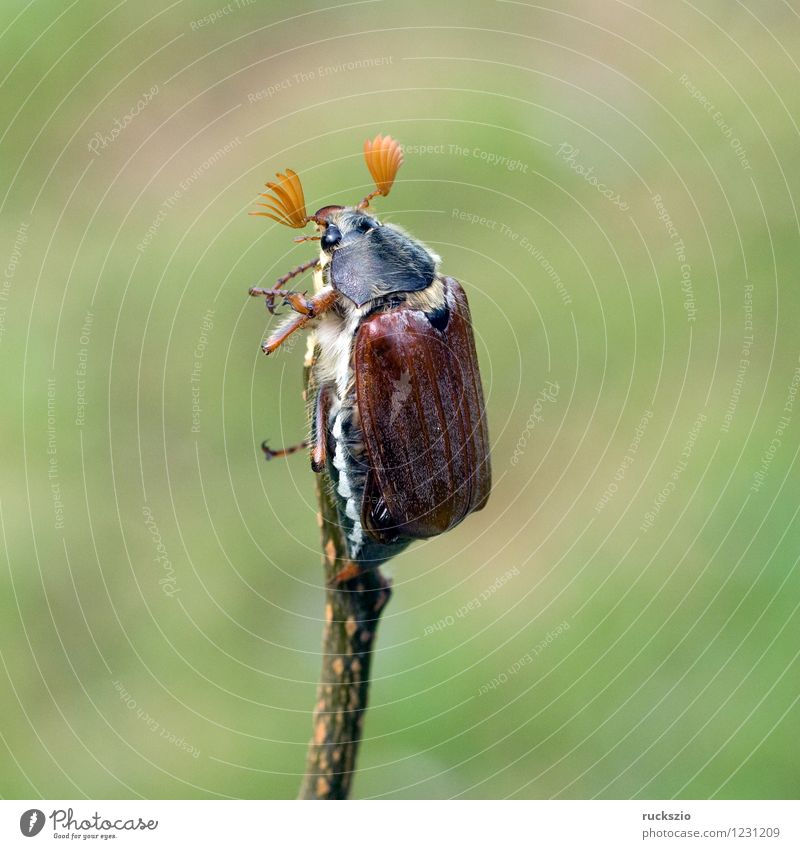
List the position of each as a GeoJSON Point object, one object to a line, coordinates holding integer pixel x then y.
{"type": "Point", "coordinates": [352, 610]}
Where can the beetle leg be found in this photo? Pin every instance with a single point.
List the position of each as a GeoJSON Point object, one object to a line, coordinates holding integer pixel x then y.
{"type": "Point", "coordinates": [296, 300]}
{"type": "Point", "coordinates": [312, 263]}
{"type": "Point", "coordinates": [319, 451]}
{"type": "Point", "coordinates": [299, 303]}
{"type": "Point", "coordinates": [287, 295]}
{"type": "Point", "coordinates": [282, 281]}
{"type": "Point", "coordinates": [316, 305]}
{"type": "Point", "coordinates": [271, 454]}
{"type": "Point", "coordinates": [283, 333]}
{"type": "Point", "coordinates": [347, 573]}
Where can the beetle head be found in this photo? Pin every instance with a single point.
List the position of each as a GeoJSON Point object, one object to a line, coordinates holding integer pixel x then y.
{"type": "Point", "coordinates": [343, 224]}
{"type": "Point", "coordinates": [364, 259]}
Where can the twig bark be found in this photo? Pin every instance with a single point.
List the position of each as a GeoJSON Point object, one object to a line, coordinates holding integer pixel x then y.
{"type": "Point", "coordinates": [352, 610]}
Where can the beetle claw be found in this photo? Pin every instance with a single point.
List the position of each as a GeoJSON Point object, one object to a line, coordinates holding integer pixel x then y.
{"type": "Point", "coordinates": [299, 302]}
{"type": "Point", "coordinates": [267, 294]}
{"type": "Point", "coordinates": [269, 454]}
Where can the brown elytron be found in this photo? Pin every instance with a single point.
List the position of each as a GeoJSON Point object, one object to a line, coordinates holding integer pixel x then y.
{"type": "Point", "coordinates": [423, 420]}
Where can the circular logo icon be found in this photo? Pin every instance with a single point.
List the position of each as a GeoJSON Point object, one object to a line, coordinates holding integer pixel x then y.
{"type": "Point", "coordinates": [31, 822]}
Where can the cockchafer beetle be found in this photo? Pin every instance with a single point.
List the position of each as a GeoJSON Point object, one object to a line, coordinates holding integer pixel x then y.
{"type": "Point", "coordinates": [398, 420]}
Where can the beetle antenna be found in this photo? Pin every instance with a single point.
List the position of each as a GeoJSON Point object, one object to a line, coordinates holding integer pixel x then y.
{"type": "Point", "coordinates": [383, 157]}
{"type": "Point", "coordinates": [287, 204]}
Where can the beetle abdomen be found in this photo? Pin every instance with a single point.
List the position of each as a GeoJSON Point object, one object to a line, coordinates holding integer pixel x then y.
{"type": "Point", "coordinates": [348, 461]}
{"type": "Point", "coordinates": [349, 471]}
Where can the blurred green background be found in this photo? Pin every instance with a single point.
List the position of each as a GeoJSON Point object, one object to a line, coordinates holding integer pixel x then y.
{"type": "Point", "coordinates": [616, 185]}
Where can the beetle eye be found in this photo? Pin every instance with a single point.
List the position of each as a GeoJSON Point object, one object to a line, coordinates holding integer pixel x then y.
{"type": "Point", "coordinates": [331, 237]}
